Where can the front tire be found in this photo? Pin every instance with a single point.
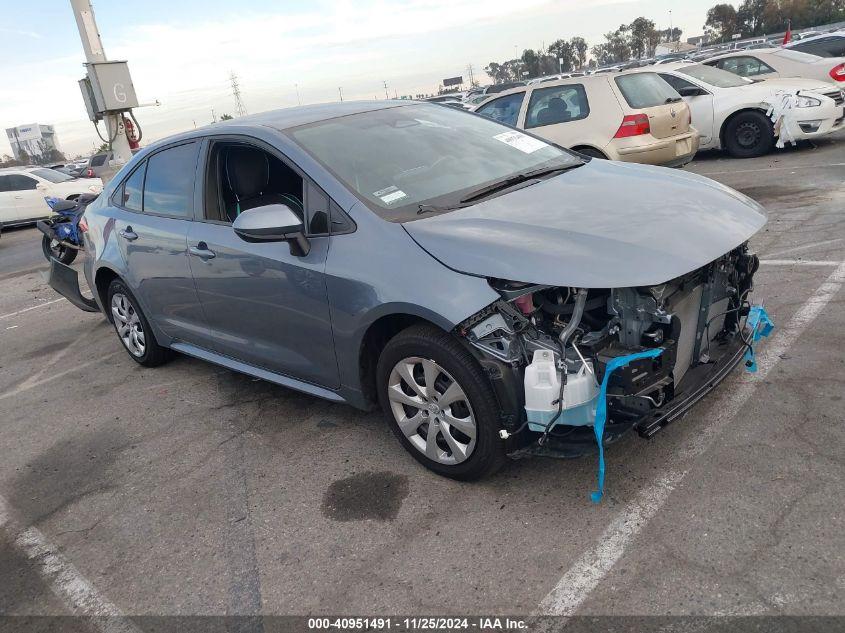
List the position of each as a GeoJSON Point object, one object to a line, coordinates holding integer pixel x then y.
{"type": "Point", "coordinates": [440, 404]}
{"type": "Point", "coordinates": [54, 249]}
{"type": "Point", "coordinates": [133, 329]}
{"type": "Point", "coordinates": [749, 134]}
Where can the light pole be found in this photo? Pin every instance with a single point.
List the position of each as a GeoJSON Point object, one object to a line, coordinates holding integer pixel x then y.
{"type": "Point", "coordinates": [340, 92]}
{"type": "Point", "coordinates": [298, 102]}
{"type": "Point", "coordinates": [671, 29]}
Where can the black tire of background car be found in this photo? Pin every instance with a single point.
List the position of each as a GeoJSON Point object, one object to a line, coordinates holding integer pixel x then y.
{"type": "Point", "coordinates": [154, 354]}
{"type": "Point", "coordinates": [62, 253]}
{"type": "Point", "coordinates": [755, 124]}
{"type": "Point", "coordinates": [592, 153]}
{"type": "Point", "coordinates": [427, 341]}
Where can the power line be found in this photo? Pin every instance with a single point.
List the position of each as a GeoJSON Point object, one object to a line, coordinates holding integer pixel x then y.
{"type": "Point", "coordinates": [236, 92]}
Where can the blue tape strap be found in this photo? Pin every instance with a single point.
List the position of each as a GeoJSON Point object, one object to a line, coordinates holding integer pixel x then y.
{"type": "Point", "coordinates": [601, 409]}
{"type": "Point", "coordinates": [760, 325]}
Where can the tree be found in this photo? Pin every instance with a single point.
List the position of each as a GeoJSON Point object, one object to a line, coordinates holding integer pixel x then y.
{"type": "Point", "coordinates": [563, 54]}
{"type": "Point", "coordinates": [579, 50]}
{"type": "Point", "coordinates": [749, 16]}
{"type": "Point", "coordinates": [721, 22]}
{"type": "Point", "coordinates": [226, 117]}
{"type": "Point", "coordinates": [615, 48]}
{"type": "Point", "coordinates": [531, 62]}
{"type": "Point", "coordinates": [104, 147]}
{"type": "Point", "coordinates": [643, 37]}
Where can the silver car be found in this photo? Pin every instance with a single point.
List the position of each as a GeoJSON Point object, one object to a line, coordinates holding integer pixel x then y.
{"type": "Point", "coordinates": [474, 281]}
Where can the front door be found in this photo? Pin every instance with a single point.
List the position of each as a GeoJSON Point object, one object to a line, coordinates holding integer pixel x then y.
{"type": "Point", "coordinates": [8, 202]}
{"type": "Point", "coordinates": [154, 208]}
{"type": "Point", "coordinates": [28, 199]}
{"type": "Point", "coordinates": [264, 305]}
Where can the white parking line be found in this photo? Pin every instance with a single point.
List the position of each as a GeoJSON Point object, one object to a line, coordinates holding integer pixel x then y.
{"type": "Point", "coordinates": [799, 262]}
{"type": "Point", "coordinates": [40, 305]}
{"type": "Point", "coordinates": [64, 580]}
{"type": "Point", "coordinates": [803, 247]}
{"type": "Point", "coordinates": [785, 168]}
{"type": "Point", "coordinates": [575, 586]}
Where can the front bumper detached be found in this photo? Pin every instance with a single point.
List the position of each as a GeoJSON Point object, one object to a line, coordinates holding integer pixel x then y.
{"type": "Point", "coordinates": [65, 280]}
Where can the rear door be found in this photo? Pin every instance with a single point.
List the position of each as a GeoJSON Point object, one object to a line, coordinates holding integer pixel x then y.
{"type": "Point", "coordinates": [562, 115]}
{"type": "Point", "coordinates": [153, 210]}
{"type": "Point", "coordinates": [29, 199]}
{"type": "Point", "coordinates": [8, 203]}
{"type": "Point", "coordinates": [648, 93]}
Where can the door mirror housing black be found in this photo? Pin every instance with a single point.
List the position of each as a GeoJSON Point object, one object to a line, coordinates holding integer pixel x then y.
{"type": "Point", "coordinates": [691, 91]}
{"type": "Point", "coordinates": [273, 223]}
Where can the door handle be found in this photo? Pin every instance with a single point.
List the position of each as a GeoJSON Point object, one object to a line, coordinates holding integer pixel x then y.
{"type": "Point", "coordinates": [128, 234]}
{"type": "Point", "coordinates": [202, 251]}
{"type": "Point", "coordinates": [18, 197]}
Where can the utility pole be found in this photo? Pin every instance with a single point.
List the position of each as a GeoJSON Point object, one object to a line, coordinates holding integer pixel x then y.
{"type": "Point", "coordinates": [94, 53]}
{"type": "Point", "coordinates": [471, 78]}
{"type": "Point", "coordinates": [213, 116]}
{"type": "Point", "coordinates": [386, 96]}
{"type": "Point", "coordinates": [298, 102]}
{"type": "Point", "coordinates": [340, 92]}
{"type": "Point", "coordinates": [236, 92]}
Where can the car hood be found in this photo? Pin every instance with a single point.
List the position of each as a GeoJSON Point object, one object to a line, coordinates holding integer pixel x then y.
{"type": "Point", "coordinates": [603, 225]}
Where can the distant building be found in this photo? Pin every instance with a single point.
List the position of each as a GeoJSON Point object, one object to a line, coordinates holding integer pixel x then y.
{"type": "Point", "coordinates": [698, 40]}
{"type": "Point", "coordinates": [668, 48]}
{"type": "Point", "coordinates": [36, 140]}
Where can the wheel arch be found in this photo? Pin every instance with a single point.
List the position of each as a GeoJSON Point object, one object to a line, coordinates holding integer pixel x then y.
{"type": "Point", "coordinates": [733, 115]}
{"type": "Point", "coordinates": [102, 280]}
{"type": "Point", "coordinates": [578, 148]}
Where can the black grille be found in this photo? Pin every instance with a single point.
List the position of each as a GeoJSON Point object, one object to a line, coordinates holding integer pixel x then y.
{"type": "Point", "coordinates": [836, 95]}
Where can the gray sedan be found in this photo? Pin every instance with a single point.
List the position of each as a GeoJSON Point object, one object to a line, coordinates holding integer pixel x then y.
{"type": "Point", "coordinates": [474, 281]}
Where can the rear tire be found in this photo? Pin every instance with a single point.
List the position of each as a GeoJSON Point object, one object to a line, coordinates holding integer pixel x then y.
{"type": "Point", "coordinates": [63, 254]}
{"type": "Point", "coordinates": [451, 425]}
{"type": "Point", "coordinates": [749, 134]}
{"type": "Point", "coordinates": [132, 327]}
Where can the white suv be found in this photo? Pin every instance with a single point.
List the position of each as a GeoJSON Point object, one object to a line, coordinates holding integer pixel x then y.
{"type": "Point", "coordinates": [23, 189]}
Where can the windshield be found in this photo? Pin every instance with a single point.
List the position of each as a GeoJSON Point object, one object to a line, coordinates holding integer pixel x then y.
{"type": "Point", "coordinates": [51, 174]}
{"type": "Point", "coordinates": [714, 76]}
{"type": "Point", "coordinates": [397, 159]}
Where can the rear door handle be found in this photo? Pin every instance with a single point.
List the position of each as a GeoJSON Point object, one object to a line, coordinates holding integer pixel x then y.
{"type": "Point", "coordinates": [128, 234]}
{"type": "Point", "coordinates": [202, 251]}
{"type": "Point", "coordinates": [18, 197]}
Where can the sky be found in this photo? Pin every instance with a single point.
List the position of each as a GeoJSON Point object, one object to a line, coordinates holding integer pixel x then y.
{"type": "Point", "coordinates": [181, 52]}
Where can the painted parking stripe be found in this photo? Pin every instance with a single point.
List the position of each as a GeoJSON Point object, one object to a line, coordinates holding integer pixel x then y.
{"type": "Point", "coordinates": [785, 168]}
{"type": "Point", "coordinates": [799, 262]}
{"type": "Point", "coordinates": [804, 247]}
{"type": "Point", "coordinates": [64, 580]}
{"type": "Point", "coordinates": [576, 585]}
{"type": "Point", "coordinates": [40, 305]}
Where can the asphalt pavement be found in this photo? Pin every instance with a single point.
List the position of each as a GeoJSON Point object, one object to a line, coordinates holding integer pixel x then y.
{"type": "Point", "coordinates": [189, 489]}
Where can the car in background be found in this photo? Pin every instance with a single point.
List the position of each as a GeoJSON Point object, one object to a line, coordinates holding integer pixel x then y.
{"type": "Point", "coordinates": [823, 45]}
{"type": "Point", "coordinates": [635, 117]}
{"type": "Point", "coordinates": [781, 62]}
{"type": "Point", "coordinates": [507, 85]}
{"type": "Point", "coordinates": [23, 189]}
{"type": "Point", "coordinates": [729, 110]}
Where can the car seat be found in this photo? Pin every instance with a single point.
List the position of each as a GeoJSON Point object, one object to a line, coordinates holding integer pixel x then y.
{"type": "Point", "coordinates": [248, 176]}
{"type": "Point", "coordinates": [554, 112]}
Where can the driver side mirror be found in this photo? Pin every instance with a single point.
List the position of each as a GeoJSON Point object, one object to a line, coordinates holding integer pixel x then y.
{"type": "Point", "coordinates": [691, 91]}
{"type": "Point", "coordinates": [273, 223]}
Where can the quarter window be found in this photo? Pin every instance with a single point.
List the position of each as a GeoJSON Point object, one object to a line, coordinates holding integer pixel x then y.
{"type": "Point", "coordinates": [504, 109]}
{"type": "Point", "coordinates": [558, 104]}
{"type": "Point", "coordinates": [131, 191]}
{"type": "Point", "coordinates": [169, 184]}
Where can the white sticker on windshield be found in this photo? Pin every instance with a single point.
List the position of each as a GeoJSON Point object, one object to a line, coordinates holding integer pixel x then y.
{"type": "Point", "coordinates": [390, 195]}
{"type": "Point", "coordinates": [521, 141]}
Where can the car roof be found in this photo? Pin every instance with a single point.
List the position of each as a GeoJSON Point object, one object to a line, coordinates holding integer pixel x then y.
{"type": "Point", "coordinates": [780, 52]}
{"type": "Point", "coordinates": [549, 84]}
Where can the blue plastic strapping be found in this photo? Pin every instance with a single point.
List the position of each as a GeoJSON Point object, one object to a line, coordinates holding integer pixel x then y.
{"type": "Point", "coordinates": [760, 325]}
{"type": "Point", "coordinates": [601, 409]}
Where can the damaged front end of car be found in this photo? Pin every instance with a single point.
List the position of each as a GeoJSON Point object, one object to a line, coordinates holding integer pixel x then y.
{"type": "Point", "coordinates": [547, 350]}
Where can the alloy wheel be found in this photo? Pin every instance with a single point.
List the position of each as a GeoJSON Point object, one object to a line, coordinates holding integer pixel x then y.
{"type": "Point", "coordinates": [432, 410]}
{"type": "Point", "coordinates": [128, 324]}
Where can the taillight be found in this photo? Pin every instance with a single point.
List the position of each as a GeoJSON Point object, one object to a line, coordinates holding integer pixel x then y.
{"type": "Point", "coordinates": [837, 73]}
{"type": "Point", "coordinates": [89, 173]}
{"type": "Point", "coordinates": [633, 125]}
{"type": "Point", "coordinates": [83, 224]}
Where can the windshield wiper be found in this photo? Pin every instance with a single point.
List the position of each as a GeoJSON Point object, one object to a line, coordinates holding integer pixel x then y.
{"type": "Point", "coordinates": [431, 208]}
{"type": "Point", "coordinates": [515, 180]}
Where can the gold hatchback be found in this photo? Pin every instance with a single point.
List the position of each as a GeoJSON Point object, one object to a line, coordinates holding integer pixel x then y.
{"type": "Point", "coordinates": [636, 117]}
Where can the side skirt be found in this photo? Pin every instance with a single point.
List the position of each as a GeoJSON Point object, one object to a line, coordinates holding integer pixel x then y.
{"type": "Point", "coordinates": [257, 372]}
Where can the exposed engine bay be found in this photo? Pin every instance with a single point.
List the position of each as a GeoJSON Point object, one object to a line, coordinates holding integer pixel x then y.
{"type": "Point", "coordinates": [546, 350]}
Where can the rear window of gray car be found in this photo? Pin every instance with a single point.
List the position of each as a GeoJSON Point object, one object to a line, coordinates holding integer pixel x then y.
{"type": "Point", "coordinates": [645, 90]}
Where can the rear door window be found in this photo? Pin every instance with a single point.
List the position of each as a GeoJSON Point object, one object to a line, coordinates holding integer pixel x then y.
{"type": "Point", "coordinates": [558, 104]}
{"type": "Point", "coordinates": [98, 160]}
{"type": "Point", "coordinates": [19, 182]}
{"type": "Point", "coordinates": [645, 90]}
{"type": "Point", "coordinates": [833, 46]}
{"type": "Point", "coordinates": [169, 184]}
{"type": "Point", "coordinates": [129, 194]}
{"type": "Point", "coordinates": [745, 66]}
{"type": "Point", "coordinates": [504, 109]}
